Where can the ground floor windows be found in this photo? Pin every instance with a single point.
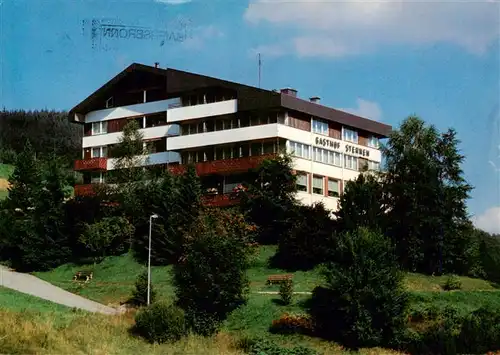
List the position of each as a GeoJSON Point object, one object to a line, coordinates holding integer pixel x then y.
{"type": "Point", "coordinates": [318, 185]}
{"type": "Point", "coordinates": [302, 182]}
{"type": "Point", "coordinates": [333, 188]}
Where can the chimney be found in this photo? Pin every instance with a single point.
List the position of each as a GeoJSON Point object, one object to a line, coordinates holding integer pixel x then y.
{"type": "Point", "coordinates": [314, 99]}
{"type": "Point", "coordinates": [289, 91]}
{"type": "Point", "coordinates": [157, 64]}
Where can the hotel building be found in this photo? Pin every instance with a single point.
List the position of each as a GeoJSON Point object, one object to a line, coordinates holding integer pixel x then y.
{"type": "Point", "coordinates": [225, 129]}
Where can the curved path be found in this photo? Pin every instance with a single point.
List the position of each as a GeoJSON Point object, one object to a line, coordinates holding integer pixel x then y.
{"type": "Point", "coordinates": [32, 285]}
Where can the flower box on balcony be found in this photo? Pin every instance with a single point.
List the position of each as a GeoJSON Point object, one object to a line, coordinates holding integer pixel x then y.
{"type": "Point", "coordinates": [91, 164]}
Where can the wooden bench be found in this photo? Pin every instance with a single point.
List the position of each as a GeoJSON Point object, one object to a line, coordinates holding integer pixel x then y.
{"type": "Point", "coordinates": [83, 275]}
{"type": "Point", "coordinates": [277, 279]}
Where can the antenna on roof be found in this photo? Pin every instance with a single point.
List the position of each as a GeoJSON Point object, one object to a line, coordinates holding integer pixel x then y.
{"type": "Point", "coordinates": [260, 64]}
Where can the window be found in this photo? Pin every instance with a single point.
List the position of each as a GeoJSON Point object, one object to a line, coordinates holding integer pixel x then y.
{"type": "Point", "coordinates": [320, 127]}
{"type": "Point", "coordinates": [333, 188]}
{"type": "Point", "coordinates": [302, 182]}
{"type": "Point", "coordinates": [373, 165]}
{"type": "Point", "coordinates": [373, 142]}
{"type": "Point", "coordinates": [318, 184]}
{"type": "Point", "coordinates": [350, 162]}
{"type": "Point", "coordinates": [299, 150]}
{"type": "Point", "coordinates": [109, 102]}
{"type": "Point", "coordinates": [99, 152]}
{"type": "Point", "coordinates": [99, 127]}
{"type": "Point", "coordinates": [350, 135]}
{"type": "Point", "coordinates": [96, 178]}
{"type": "Point", "coordinates": [327, 156]}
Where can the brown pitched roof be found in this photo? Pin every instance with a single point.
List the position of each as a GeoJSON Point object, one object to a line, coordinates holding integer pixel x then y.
{"type": "Point", "coordinates": [249, 98]}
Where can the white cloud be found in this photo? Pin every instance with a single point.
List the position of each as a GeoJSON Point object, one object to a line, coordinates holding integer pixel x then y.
{"type": "Point", "coordinates": [367, 109]}
{"type": "Point", "coordinates": [350, 27]}
{"type": "Point", "coordinates": [173, 2]}
{"type": "Point", "coordinates": [489, 221]}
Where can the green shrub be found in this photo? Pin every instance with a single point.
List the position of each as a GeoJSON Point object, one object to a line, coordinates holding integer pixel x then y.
{"type": "Point", "coordinates": [309, 240]}
{"type": "Point", "coordinates": [286, 291]}
{"type": "Point", "coordinates": [480, 332]}
{"type": "Point", "coordinates": [452, 282]}
{"type": "Point", "coordinates": [210, 278]}
{"type": "Point", "coordinates": [160, 323]}
{"type": "Point", "coordinates": [364, 303]}
{"type": "Point", "coordinates": [140, 293]}
{"type": "Point", "coordinates": [262, 346]}
{"type": "Point", "coordinates": [444, 331]}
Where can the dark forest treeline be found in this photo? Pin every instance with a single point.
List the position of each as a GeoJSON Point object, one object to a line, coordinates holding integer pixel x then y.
{"type": "Point", "coordinates": [47, 131]}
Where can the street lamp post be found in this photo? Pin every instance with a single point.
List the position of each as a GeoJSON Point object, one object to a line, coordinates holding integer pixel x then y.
{"type": "Point", "coordinates": [149, 257]}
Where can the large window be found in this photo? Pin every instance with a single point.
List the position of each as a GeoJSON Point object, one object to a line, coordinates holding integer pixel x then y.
{"type": "Point", "coordinates": [373, 165]}
{"type": "Point", "coordinates": [99, 152]}
{"type": "Point", "coordinates": [99, 127]}
{"type": "Point", "coordinates": [299, 150]}
{"type": "Point", "coordinates": [350, 135]}
{"type": "Point", "coordinates": [96, 178]}
{"type": "Point", "coordinates": [350, 162]}
{"type": "Point", "coordinates": [302, 182]}
{"type": "Point", "coordinates": [320, 127]}
{"type": "Point", "coordinates": [318, 184]}
{"type": "Point", "coordinates": [327, 156]}
{"type": "Point", "coordinates": [333, 187]}
{"type": "Point", "coordinates": [373, 142]}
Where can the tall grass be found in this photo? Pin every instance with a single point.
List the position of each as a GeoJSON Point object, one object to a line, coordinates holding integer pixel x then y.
{"type": "Point", "coordinates": [24, 333]}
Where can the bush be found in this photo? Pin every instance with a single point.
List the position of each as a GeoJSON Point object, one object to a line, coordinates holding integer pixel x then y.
{"type": "Point", "coordinates": [452, 282]}
{"type": "Point", "coordinates": [160, 323]}
{"type": "Point", "coordinates": [292, 324]}
{"type": "Point", "coordinates": [261, 346]}
{"type": "Point", "coordinates": [210, 278]}
{"type": "Point", "coordinates": [480, 332]}
{"type": "Point", "coordinates": [364, 302]}
{"type": "Point", "coordinates": [140, 293]}
{"type": "Point", "coordinates": [444, 331]}
{"type": "Point", "coordinates": [286, 291]}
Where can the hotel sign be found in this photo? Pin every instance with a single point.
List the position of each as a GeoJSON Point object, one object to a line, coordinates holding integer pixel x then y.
{"type": "Point", "coordinates": [327, 143]}
{"type": "Point", "coordinates": [356, 150]}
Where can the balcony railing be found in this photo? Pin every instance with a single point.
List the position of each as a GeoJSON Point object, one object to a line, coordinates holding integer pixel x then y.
{"type": "Point", "coordinates": [84, 190]}
{"type": "Point", "coordinates": [221, 200]}
{"type": "Point", "coordinates": [224, 166]}
{"type": "Point", "coordinates": [91, 164]}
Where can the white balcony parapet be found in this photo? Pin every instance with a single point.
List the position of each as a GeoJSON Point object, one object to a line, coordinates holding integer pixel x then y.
{"type": "Point", "coordinates": [223, 137]}
{"type": "Point", "coordinates": [171, 106]}
{"type": "Point", "coordinates": [206, 110]}
{"type": "Point", "coordinates": [148, 133]}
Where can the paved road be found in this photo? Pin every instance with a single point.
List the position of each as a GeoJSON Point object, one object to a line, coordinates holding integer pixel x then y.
{"type": "Point", "coordinates": [32, 285]}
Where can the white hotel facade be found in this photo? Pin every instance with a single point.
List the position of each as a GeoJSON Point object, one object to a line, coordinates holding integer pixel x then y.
{"type": "Point", "coordinates": [226, 129]}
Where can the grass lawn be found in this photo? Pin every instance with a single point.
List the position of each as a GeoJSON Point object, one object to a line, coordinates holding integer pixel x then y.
{"type": "Point", "coordinates": [5, 171]}
{"type": "Point", "coordinates": [114, 281]}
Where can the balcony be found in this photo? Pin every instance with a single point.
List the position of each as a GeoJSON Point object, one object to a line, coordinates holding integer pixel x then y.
{"type": "Point", "coordinates": [84, 190]}
{"type": "Point", "coordinates": [91, 164]}
{"type": "Point", "coordinates": [224, 166]}
{"type": "Point", "coordinates": [222, 200]}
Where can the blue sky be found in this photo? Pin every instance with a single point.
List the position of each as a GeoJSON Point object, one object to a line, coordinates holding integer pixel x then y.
{"type": "Point", "coordinates": [384, 60]}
